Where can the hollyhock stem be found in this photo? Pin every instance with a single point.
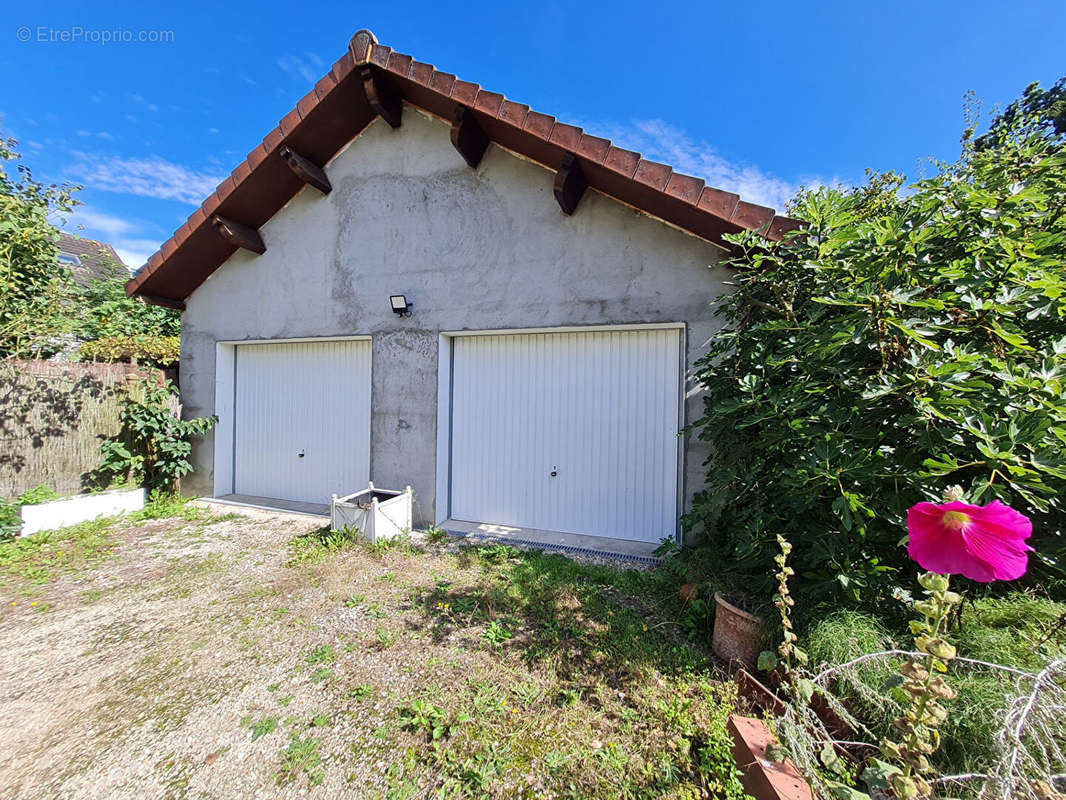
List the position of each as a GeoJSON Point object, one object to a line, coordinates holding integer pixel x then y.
{"type": "Point", "coordinates": [922, 680]}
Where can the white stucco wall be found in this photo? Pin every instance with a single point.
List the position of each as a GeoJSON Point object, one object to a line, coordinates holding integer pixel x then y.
{"type": "Point", "coordinates": [471, 249]}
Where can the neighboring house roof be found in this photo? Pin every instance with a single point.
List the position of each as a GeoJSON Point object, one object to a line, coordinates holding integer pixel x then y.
{"type": "Point", "coordinates": [371, 78]}
{"type": "Point", "coordinates": [89, 259]}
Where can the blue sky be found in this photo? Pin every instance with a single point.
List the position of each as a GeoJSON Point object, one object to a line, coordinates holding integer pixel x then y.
{"type": "Point", "coordinates": [756, 97]}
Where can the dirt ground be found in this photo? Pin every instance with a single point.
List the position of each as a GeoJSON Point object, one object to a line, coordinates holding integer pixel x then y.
{"type": "Point", "coordinates": [238, 656]}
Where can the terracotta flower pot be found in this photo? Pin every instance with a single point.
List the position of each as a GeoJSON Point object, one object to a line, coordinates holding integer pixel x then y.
{"type": "Point", "coordinates": [738, 635]}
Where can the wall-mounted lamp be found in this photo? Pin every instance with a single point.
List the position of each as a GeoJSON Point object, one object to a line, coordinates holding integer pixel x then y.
{"type": "Point", "coordinates": [400, 306]}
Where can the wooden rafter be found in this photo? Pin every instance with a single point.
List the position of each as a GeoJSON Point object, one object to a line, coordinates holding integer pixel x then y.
{"type": "Point", "coordinates": [381, 96]}
{"type": "Point", "coordinates": [306, 169]}
{"type": "Point", "coordinates": [468, 137]}
{"type": "Point", "coordinates": [238, 234]}
{"type": "Point", "coordinates": [570, 184]}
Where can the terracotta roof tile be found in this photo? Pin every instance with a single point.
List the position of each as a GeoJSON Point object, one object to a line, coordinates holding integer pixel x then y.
{"type": "Point", "coordinates": [307, 102]}
{"type": "Point", "coordinates": [593, 148]}
{"type": "Point", "coordinates": [780, 226]}
{"type": "Point", "coordinates": [513, 113]}
{"type": "Point", "coordinates": [326, 85]}
{"type": "Point", "coordinates": [421, 73]}
{"type": "Point", "coordinates": [622, 161]}
{"type": "Point", "coordinates": [257, 156]}
{"type": "Point", "coordinates": [489, 102]}
{"type": "Point", "coordinates": [751, 216]}
{"type": "Point", "coordinates": [272, 141]}
{"type": "Point", "coordinates": [465, 92]}
{"type": "Point", "coordinates": [342, 67]}
{"type": "Point", "coordinates": [685, 187]}
{"type": "Point", "coordinates": [289, 122]}
{"type": "Point", "coordinates": [182, 233]}
{"type": "Point", "coordinates": [399, 64]}
{"type": "Point", "coordinates": [442, 82]}
{"type": "Point", "coordinates": [539, 124]}
{"type": "Point", "coordinates": [529, 132]}
{"type": "Point", "coordinates": [718, 202]}
{"type": "Point", "coordinates": [243, 170]}
{"type": "Point", "coordinates": [380, 54]}
{"type": "Point", "coordinates": [653, 174]}
{"type": "Point", "coordinates": [566, 136]}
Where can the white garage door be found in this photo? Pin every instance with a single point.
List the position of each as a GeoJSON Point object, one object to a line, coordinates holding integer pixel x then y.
{"type": "Point", "coordinates": [573, 432]}
{"type": "Point", "coordinates": [302, 419]}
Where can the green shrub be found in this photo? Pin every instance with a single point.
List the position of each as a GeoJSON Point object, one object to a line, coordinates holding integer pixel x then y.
{"type": "Point", "coordinates": [909, 341]}
{"type": "Point", "coordinates": [155, 444]}
{"type": "Point", "coordinates": [159, 351]}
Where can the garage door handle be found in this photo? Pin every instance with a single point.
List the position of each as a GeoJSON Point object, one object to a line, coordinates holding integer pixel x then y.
{"type": "Point", "coordinates": [554, 471]}
{"type": "Point", "coordinates": [300, 454]}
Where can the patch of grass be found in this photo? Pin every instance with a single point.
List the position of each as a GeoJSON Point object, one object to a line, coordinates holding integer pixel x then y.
{"type": "Point", "coordinates": [40, 557]}
{"type": "Point", "coordinates": [1017, 630]}
{"type": "Point", "coordinates": [314, 546]}
{"type": "Point", "coordinates": [301, 757]}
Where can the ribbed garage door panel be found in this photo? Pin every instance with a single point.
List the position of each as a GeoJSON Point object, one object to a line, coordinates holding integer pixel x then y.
{"type": "Point", "coordinates": [310, 397]}
{"type": "Point", "coordinates": [598, 408]}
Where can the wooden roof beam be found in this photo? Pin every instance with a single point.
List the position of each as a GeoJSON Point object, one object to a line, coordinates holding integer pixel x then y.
{"type": "Point", "coordinates": [468, 137]}
{"type": "Point", "coordinates": [239, 235]}
{"type": "Point", "coordinates": [306, 169]}
{"type": "Point", "coordinates": [382, 98]}
{"type": "Point", "coordinates": [570, 184]}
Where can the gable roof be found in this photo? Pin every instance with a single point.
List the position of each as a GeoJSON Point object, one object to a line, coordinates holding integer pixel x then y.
{"type": "Point", "coordinates": [343, 103]}
{"type": "Point", "coordinates": [96, 260]}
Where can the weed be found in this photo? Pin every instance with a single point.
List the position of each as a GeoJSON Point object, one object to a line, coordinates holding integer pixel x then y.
{"type": "Point", "coordinates": [322, 674]}
{"type": "Point", "coordinates": [496, 634]}
{"type": "Point", "coordinates": [323, 654]}
{"type": "Point", "coordinates": [421, 715]}
{"type": "Point", "coordinates": [312, 547]}
{"type": "Point", "coordinates": [436, 535]}
{"type": "Point", "coordinates": [354, 600]}
{"type": "Point", "coordinates": [300, 757]}
{"type": "Point", "coordinates": [384, 637]}
{"type": "Point", "coordinates": [360, 692]}
{"type": "Point", "coordinates": [264, 727]}
{"type": "Point", "coordinates": [319, 721]}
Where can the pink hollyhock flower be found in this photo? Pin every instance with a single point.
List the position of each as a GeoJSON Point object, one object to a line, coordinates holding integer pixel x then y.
{"type": "Point", "coordinates": [984, 543]}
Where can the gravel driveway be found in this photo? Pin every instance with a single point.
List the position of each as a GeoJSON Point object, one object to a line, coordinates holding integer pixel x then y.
{"type": "Point", "coordinates": [249, 655]}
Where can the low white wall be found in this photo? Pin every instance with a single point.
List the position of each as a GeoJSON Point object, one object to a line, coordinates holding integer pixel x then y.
{"type": "Point", "coordinates": [72, 510]}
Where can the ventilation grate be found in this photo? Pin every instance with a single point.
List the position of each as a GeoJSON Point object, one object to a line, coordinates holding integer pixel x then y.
{"type": "Point", "coordinates": [480, 538]}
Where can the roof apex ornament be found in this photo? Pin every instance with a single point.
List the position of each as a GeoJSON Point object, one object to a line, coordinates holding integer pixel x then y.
{"type": "Point", "coordinates": [362, 45]}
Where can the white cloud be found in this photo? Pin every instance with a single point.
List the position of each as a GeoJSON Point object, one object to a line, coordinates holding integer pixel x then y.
{"type": "Point", "coordinates": [661, 141]}
{"type": "Point", "coordinates": [308, 68]}
{"type": "Point", "coordinates": [127, 236]}
{"type": "Point", "coordinates": [144, 177]}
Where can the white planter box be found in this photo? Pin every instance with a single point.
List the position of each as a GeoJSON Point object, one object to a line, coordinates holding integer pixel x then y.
{"type": "Point", "coordinates": [72, 510]}
{"type": "Point", "coordinates": [378, 514]}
